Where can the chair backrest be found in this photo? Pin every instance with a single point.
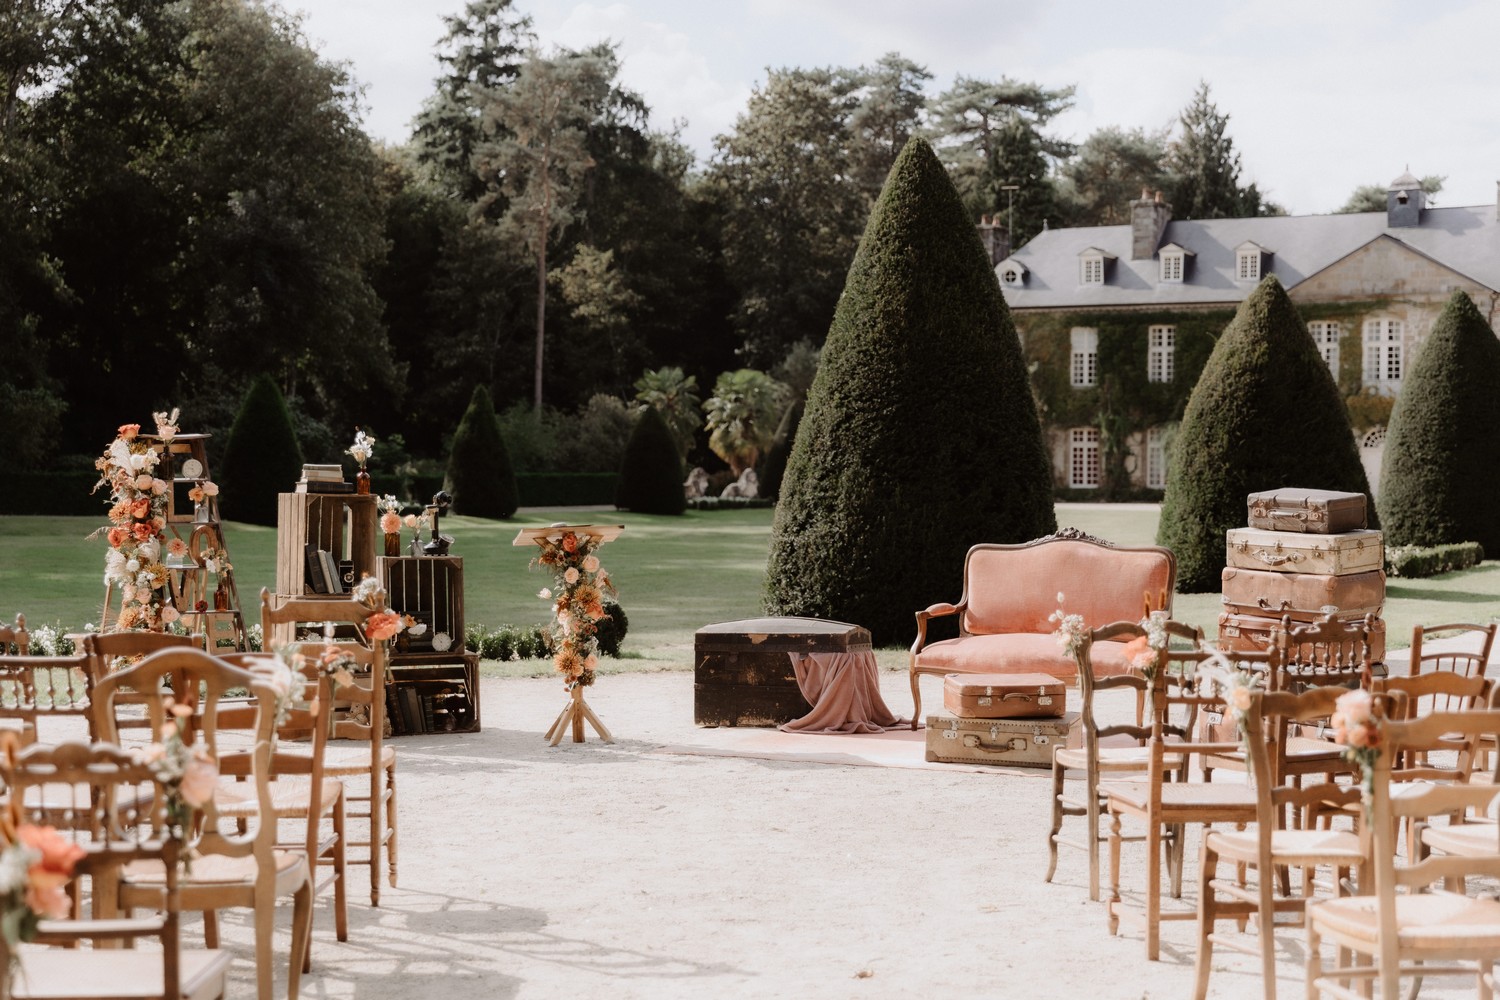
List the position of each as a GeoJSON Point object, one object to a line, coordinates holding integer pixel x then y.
{"type": "Point", "coordinates": [366, 691]}
{"type": "Point", "coordinates": [1445, 691]}
{"type": "Point", "coordinates": [1014, 588]}
{"type": "Point", "coordinates": [37, 687]}
{"type": "Point", "coordinates": [1324, 653]}
{"type": "Point", "coordinates": [14, 639]}
{"type": "Point", "coordinates": [119, 817]}
{"type": "Point", "coordinates": [107, 651]}
{"type": "Point", "coordinates": [200, 687]}
{"type": "Point", "coordinates": [1468, 662]}
{"type": "Point", "coordinates": [1279, 802]}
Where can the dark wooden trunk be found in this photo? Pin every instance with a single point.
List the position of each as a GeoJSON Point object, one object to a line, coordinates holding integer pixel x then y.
{"type": "Point", "coordinates": [743, 669]}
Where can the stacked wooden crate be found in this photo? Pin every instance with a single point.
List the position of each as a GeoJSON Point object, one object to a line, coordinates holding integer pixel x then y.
{"type": "Point", "coordinates": [1305, 554]}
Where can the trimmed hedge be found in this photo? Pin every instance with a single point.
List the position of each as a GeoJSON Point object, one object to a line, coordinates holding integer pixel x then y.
{"type": "Point", "coordinates": [651, 474]}
{"type": "Point", "coordinates": [261, 457]}
{"type": "Point", "coordinates": [534, 642]}
{"type": "Point", "coordinates": [729, 503]}
{"type": "Point", "coordinates": [1412, 561]}
{"type": "Point", "coordinates": [541, 489]}
{"type": "Point", "coordinates": [1441, 472]}
{"type": "Point", "coordinates": [54, 494]}
{"type": "Point", "coordinates": [920, 436]}
{"type": "Point", "coordinates": [479, 473]}
{"type": "Point", "coordinates": [1265, 414]}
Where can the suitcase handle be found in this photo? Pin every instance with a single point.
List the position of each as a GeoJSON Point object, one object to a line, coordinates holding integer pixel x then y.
{"type": "Point", "coordinates": [1265, 605]}
{"type": "Point", "coordinates": [1277, 558]}
{"type": "Point", "coordinates": [1015, 743]}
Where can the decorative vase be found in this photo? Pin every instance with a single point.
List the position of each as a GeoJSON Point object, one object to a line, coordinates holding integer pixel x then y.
{"type": "Point", "coordinates": [393, 543]}
{"type": "Point", "coordinates": [221, 598]}
{"type": "Point", "coordinates": [362, 482]}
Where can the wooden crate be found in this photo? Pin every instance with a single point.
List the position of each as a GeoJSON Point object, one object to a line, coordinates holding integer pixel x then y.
{"type": "Point", "coordinates": [341, 523]}
{"type": "Point", "coordinates": [430, 589]}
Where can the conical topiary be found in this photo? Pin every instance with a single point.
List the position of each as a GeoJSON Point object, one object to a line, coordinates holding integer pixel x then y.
{"type": "Point", "coordinates": [1265, 414]}
{"type": "Point", "coordinates": [480, 476]}
{"type": "Point", "coordinates": [261, 457]}
{"type": "Point", "coordinates": [651, 475]}
{"type": "Point", "coordinates": [920, 436]}
{"type": "Point", "coordinates": [773, 465]}
{"type": "Point", "coordinates": [1441, 471]}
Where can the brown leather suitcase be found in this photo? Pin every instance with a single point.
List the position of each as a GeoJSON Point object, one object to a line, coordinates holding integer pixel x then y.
{"type": "Point", "coordinates": [1252, 633]}
{"type": "Point", "coordinates": [1295, 552]}
{"type": "Point", "coordinates": [1014, 742]}
{"type": "Point", "coordinates": [1317, 512]}
{"type": "Point", "coordinates": [1304, 596]}
{"type": "Point", "coordinates": [1004, 696]}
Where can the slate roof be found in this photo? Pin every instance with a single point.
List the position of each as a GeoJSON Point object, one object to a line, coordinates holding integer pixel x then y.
{"type": "Point", "coordinates": [1464, 239]}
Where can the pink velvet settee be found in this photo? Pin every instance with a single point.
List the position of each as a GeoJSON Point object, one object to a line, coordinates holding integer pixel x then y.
{"type": "Point", "coordinates": [1010, 591]}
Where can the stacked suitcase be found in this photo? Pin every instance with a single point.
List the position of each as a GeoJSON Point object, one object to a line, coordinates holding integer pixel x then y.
{"type": "Point", "coordinates": [1015, 719]}
{"type": "Point", "coordinates": [1306, 553]}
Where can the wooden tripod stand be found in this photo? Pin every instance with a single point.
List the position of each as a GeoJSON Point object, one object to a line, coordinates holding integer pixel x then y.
{"type": "Point", "coordinates": [575, 711]}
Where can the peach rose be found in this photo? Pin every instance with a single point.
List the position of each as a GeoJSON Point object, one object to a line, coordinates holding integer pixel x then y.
{"type": "Point", "coordinates": [591, 564]}
{"type": "Point", "coordinates": [140, 508]}
{"type": "Point", "coordinates": [117, 536]}
{"type": "Point", "coordinates": [410, 520]}
{"type": "Point", "coordinates": [382, 625]}
{"type": "Point", "coordinates": [129, 431]}
{"type": "Point", "coordinates": [199, 780]}
{"type": "Point", "coordinates": [570, 542]}
{"type": "Point", "coordinates": [143, 531]}
{"type": "Point", "coordinates": [570, 576]}
{"type": "Point", "coordinates": [196, 494]}
{"type": "Point", "coordinates": [210, 488]}
{"type": "Point", "coordinates": [158, 486]}
{"type": "Point", "coordinates": [390, 522]}
{"type": "Point", "coordinates": [1241, 699]}
{"type": "Point", "coordinates": [170, 614]}
{"type": "Point", "coordinates": [143, 482]}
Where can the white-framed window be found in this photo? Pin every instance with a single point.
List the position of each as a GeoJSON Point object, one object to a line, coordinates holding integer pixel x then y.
{"type": "Point", "coordinates": [1083, 458]}
{"type": "Point", "coordinates": [1247, 265]}
{"type": "Point", "coordinates": [1383, 353]}
{"type": "Point", "coordinates": [1156, 459]}
{"type": "Point", "coordinates": [1091, 270]}
{"type": "Point", "coordinates": [1171, 268]}
{"type": "Point", "coordinates": [1326, 335]}
{"type": "Point", "coordinates": [1161, 353]}
{"type": "Point", "coordinates": [1013, 274]}
{"type": "Point", "coordinates": [1084, 369]}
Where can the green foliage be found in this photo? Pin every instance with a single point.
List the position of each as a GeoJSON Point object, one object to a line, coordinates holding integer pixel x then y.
{"type": "Point", "coordinates": [742, 415]}
{"type": "Point", "coordinates": [1412, 561]}
{"type": "Point", "coordinates": [1264, 414]}
{"type": "Point", "coordinates": [479, 471]}
{"type": "Point", "coordinates": [53, 493]}
{"type": "Point", "coordinates": [1111, 169]}
{"type": "Point", "coordinates": [651, 475]}
{"type": "Point", "coordinates": [772, 468]}
{"type": "Point", "coordinates": [1369, 408]}
{"type": "Point", "coordinates": [1205, 167]}
{"type": "Point", "coordinates": [261, 458]}
{"type": "Point", "coordinates": [920, 436]}
{"type": "Point", "coordinates": [610, 630]}
{"type": "Point", "coordinates": [509, 642]}
{"type": "Point", "coordinates": [567, 489]}
{"type": "Point", "coordinates": [675, 395]}
{"type": "Point", "coordinates": [1440, 475]}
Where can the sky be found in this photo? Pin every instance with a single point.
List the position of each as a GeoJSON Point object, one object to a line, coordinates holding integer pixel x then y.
{"type": "Point", "coordinates": [1323, 95]}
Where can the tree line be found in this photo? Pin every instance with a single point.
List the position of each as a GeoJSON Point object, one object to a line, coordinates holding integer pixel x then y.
{"type": "Point", "coordinates": [188, 199]}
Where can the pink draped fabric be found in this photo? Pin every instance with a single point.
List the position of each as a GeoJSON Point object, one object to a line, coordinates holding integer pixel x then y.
{"type": "Point", "coordinates": [844, 691]}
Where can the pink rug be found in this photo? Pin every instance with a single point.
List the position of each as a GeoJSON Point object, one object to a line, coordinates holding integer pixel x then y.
{"type": "Point", "coordinates": [897, 748]}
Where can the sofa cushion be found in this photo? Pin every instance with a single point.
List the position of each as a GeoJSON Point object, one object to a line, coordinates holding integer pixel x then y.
{"type": "Point", "coordinates": [1015, 588]}
{"type": "Point", "coordinates": [1018, 653]}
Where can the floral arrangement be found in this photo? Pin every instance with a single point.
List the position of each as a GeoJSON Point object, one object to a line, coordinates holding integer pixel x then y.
{"type": "Point", "coordinates": [1357, 730]}
{"type": "Point", "coordinates": [1071, 630]}
{"type": "Point", "coordinates": [1142, 652]}
{"type": "Point", "coordinates": [578, 603]}
{"type": "Point", "coordinates": [362, 448]}
{"type": "Point", "coordinates": [34, 869]}
{"type": "Point", "coordinates": [188, 774]}
{"type": "Point", "coordinates": [138, 519]}
{"type": "Point", "coordinates": [384, 623]}
{"type": "Point", "coordinates": [391, 521]}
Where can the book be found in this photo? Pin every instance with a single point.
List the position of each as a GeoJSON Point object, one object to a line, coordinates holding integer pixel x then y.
{"type": "Point", "coordinates": [411, 709]}
{"type": "Point", "coordinates": [317, 579]}
{"type": "Point", "coordinates": [323, 473]}
{"type": "Point", "coordinates": [316, 486]}
{"type": "Point", "coordinates": [330, 573]}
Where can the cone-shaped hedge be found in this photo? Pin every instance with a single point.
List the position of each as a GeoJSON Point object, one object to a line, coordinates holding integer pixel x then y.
{"type": "Point", "coordinates": [480, 476]}
{"type": "Point", "coordinates": [773, 466]}
{"type": "Point", "coordinates": [920, 436]}
{"type": "Point", "coordinates": [651, 475]}
{"type": "Point", "coordinates": [1265, 414]}
{"type": "Point", "coordinates": [261, 457]}
{"type": "Point", "coordinates": [1441, 472]}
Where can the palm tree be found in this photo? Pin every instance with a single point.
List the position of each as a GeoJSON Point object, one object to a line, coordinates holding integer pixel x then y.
{"type": "Point", "coordinates": [675, 396]}
{"type": "Point", "coordinates": [742, 416]}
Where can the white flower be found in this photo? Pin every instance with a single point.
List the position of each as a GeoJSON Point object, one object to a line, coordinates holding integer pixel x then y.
{"type": "Point", "coordinates": [15, 866]}
{"type": "Point", "coordinates": [545, 594]}
{"type": "Point", "coordinates": [362, 448]}
{"type": "Point", "coordinates": [143, 580]}
{"type": "Point", "coordinates": [591, 564]}
{"type": "Point", "coordinates": [149, 550]}
{"type": "Point", "coordinates": [420, 628]}
{"type": "Point", "coordinates": [132, 566]}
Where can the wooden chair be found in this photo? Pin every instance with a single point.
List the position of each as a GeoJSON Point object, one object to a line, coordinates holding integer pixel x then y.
{"type": "Point", "coordinates": [1167, 807]}
{"type": "Point", "coordinates": [1466, 662]}
{"type": "Point", "coordinates": [369, 771]}
{"type": "Point", "coordinates": [125, 809]}
{"type": "Point", "coordinates": [1283, 837]}
{"type": "Point", "coordinates": [299, 789]}
{"type": "Point", "coordinates": [1436, 691]}
{"type": "Point", "coordinates": [104, 651]}
{"type": "Point", "coordinates": [14, 639]}
{"type": "Point", "coordinates": [235, 862]}
{"type": "Point", "coordinates": [1108, 749]}
{"type": "Point", "coordinates": [33, 688]}
{"type": "Point", "coordinates": [1401, 929]}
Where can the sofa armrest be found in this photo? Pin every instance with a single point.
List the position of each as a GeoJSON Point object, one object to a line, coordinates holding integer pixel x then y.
{"type": "Point", "coordinates": [935, 611]}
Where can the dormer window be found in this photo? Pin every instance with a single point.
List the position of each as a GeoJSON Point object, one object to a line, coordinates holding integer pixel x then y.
{"type": "Point", "coordinates": [1093, 266]}
{"type": "Point", "coordinates": [1012, 272]}
{"type": "Point", "coordinates": [1249, 261]}
{"type": "Point", "coordinates": [1173, 260]}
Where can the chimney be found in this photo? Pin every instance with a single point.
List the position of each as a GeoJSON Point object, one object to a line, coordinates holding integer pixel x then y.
{"type": "Point", "coordinates": [995, 237]}
{"type": "Point", "coordinates": [1404, 201]}
{"type": "Point", "coordinates": [1148, 220]}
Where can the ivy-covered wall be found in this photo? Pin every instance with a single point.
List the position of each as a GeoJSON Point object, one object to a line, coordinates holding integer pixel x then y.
{"type": "Point", "coordinates": [1367, 407]}
{"type": "Point", "coordinates": [1123, 404]}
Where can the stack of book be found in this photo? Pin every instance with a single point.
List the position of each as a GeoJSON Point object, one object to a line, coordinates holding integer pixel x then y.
{"type": "Point", "coordinates": [323, 479]}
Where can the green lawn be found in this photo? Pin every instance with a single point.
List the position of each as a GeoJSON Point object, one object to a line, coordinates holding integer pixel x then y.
{"type": "Point", "coordinates": [674, 573]}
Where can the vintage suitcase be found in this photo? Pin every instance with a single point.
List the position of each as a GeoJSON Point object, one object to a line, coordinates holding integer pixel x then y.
{"type": "Point", "coordinates": [1304, 596]}
{"type": "Point", "coordinates": [743, 675]}
{"type": "Point", "coordinates": [1004, 696]}
{"type": "Point", "coordinates": [1252, 633]}
{"type": "Point", "coordinates": [1316, 512]}
{"type": "Point", "coordinates": [1017, 742]}
{"type": "Point", "coordinates": [1293, 552]}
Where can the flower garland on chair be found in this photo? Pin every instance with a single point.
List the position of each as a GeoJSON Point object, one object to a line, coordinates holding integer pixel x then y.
{"type": "Point", "coordinates": [578, 603]}
{"type": "Point", "coordinates": [1357, 730]}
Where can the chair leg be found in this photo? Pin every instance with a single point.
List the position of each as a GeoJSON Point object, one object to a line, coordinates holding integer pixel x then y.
{"type": "Point", "coordinates": [1314, 961]}
{"type": "Point", "coordinates": [916, 699]}
{"type": "Point", "coordinates": [1207, 917]}
{"type": "Point", "coordinates": [377, 831]}
{"type": "Point", "coordinates": [340, 871]}
{"type": "Point", "coordinates": [1058, 778]}
{"type": "Point", "coordinates": [301, 958]}
{"type": "Point", "coordinates": [1153, 891]}
{"type": "Point", "coordinates": [390, 819]}
{"type": "Point", "coordinates": [1266, 884]}
{"type": "Point", "coordinates": [1091, 814]}
{"type": "Point", "coordinates": [264, 918]}
{"type": "Point", "coordinates": [1114, 872]}
{"type": "Point", "coordinates": [210, 928]}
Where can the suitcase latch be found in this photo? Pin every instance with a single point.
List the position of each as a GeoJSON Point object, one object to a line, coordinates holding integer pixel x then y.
{"type": "Point", "coordinates": [950, 734]}
{"type": "Point", "coordinates": [984, 701]}
{"type": "Point", "coordinates": [1040, 738]}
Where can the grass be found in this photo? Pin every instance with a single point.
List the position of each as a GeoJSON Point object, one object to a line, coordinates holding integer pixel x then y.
{"type": "Point", "coordinates": [675, 574]}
